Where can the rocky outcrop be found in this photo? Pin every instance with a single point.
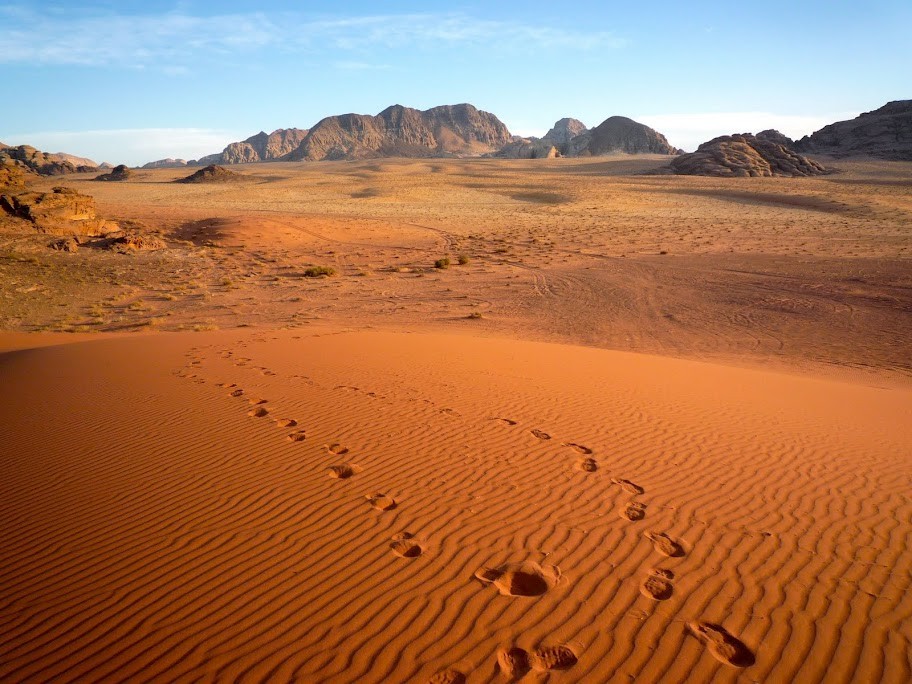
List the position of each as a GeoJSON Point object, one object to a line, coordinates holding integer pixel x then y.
{"type": "Point", "coordinates": [744, 155]}
{"type": "Point", "coordinates": [12, 177]}
{"type": "Point", "coordinates": [118, 173]}
{"type": "Point", "coordinates": [527, 148]}
{"type": "Point", "coordinates": [63, 211]}
{"type": "Point", "coordinates": [885, 133]}
{"type": "Point", "coordinates": [44, 163]}
{"type": "Point", "coordinates": [211, 174]}
{"type": "Point", "coordinates": [168, 163]}
{"type": "Point", "coordinates": [563, 131]}
{"type": "Point", "coordinates": [261, 147]}
{"type": "Point", "coordinates": [618, 134]}
{"type": "Point", "coordinates": [397, 131]}
{"type": "Point", "coordinates": [774, 136]}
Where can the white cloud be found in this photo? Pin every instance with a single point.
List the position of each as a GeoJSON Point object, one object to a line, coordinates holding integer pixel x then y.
{"type": "Point", "coordinates": [176, 38]}
{"type": "Point", "coordinates": [131, 146]}
{"type": "Point", "coordinates": [687, 131]}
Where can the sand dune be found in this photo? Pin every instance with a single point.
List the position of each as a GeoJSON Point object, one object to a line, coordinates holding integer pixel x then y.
{"type": "Point", "coordinates": [324, 505]}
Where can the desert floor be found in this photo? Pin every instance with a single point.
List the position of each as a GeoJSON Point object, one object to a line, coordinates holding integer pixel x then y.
{"type": "Point", "coordinates": [654, 429]}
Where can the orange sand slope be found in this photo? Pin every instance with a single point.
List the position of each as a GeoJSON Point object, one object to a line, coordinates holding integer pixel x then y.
{"type": "Point", "coordinates": [382, 507]}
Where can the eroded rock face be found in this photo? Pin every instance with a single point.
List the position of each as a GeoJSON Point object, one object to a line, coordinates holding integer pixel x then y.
{"type": "Point", "coordinates": [44, 163]}
{"type": "Point", "coordinates": [262, 146]}
{"type": "Point", "coordinates": [12, 177]}
{"type": "Point", "coordinates": [450, 130]}
{"type": "Point", "coordinates": [528, 148]}
{"type": "Point", "coordinates": [61, 212]}
{"type": "Point", "coordinates": [744, 155]}
{"type": "Point", "coordinates": [563, 131]}
{"type": "Point", "coordinates": [619, 134]}
{"type": "Point", "coordinates": [118, 173]}
{"type": "Point", "coordinates": [885, 133]}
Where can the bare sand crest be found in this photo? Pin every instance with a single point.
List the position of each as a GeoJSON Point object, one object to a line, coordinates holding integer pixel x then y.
{"type": "Point", "coordinates": [153, 531]}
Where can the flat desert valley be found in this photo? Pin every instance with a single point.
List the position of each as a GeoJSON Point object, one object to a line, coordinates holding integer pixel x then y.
{"type": "Point", "coordinates": [641, 428]}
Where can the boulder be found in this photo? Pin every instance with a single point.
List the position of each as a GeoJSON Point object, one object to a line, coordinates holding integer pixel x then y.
{"type": "Point", "coordinates": [211, 174]}
{"type": "Point", "coordinates": [744, 155]}
{"type": "Point", "coordinates": [119, 173]}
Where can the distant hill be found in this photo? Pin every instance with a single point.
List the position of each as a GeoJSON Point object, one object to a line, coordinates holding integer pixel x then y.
{"type": "Point", "coordinates": [563, 131]}
{"type": "Point", "coordinates": [211, 174]}
{"type": "Point", "coordinates": [168, 163]}
{"type": "Point", "coordinates": [44, 163]}
{"type": "Point", "coordinates": [885, 133]}
{"type": "Point", "coordinates": [397, 131]}
{"type": "Point", "coordinates": [743, 155]}
{"type": "Point", "coordinates": [261, 147]}
{"type": "Point", "coordinates": [619, 134]}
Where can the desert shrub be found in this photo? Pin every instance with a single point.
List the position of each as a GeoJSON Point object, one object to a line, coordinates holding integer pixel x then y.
{"type": "Point", "coordinates": [319, 272]}
{"type": "Point", "coordinates": [474, 315]}
{"type": "Point", "coordinates": [462, 259]}
{"type": "Point", "coordinates": [442, 263]}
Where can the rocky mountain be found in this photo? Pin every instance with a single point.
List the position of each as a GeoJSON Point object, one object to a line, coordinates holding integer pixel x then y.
{"type": "Point", "coordinates": [619, 134]}
{"type": "Point", "coordinates": [563, 131]}
{"type": "Point", "coordinates": [772, 135]}
{"type": "Point", "coordinates": [260, 147]}
{"type": "Point", "coordinates": [44, 163]}
{"type": "Point", "coordinates": [168, 163]}
{"type": "Point", "coordinates": [885, 133]}
{"type": "Point", "coordinates": [743, 155]}
{"type": "Point", "coordinates": [449, 130]}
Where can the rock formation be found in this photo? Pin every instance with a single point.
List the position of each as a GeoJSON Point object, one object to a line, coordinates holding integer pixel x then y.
{"type": "Point", "coordinates": [885, 133]}
{"type": "Point", "coordinates": [619, 134]}
{"type": "Point", "coordinates": [772, 135]}
{"type": "Point", "coordinates": [211, 174]}
{"type": "Point", "coordinates": [44, 163]}
{"type": "Point", "coordinates": [450, 130]}
{"type": "Point", "coordinates": [528, 148]}
{"type": "Point", "coordinates": [563, 131]}
{"type": "Point", "coordinates": [261, 147]}
{"type": "Point", "coordinates": [12, 177]}
{"type": "Point", "coordinates": [168, 163]}
{"type": "Point", "coordinates": [743, 155]}
{"type": "Point", "coordinates": [63, 211]}
{"type": "Point", "coordinates": [119, 173]}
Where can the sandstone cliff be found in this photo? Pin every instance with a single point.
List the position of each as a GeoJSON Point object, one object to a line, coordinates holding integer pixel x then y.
{"type": "Point", "coordinates": [527, 148]}
{"type": "Point", "coordinates": [885, 133]}
{"type": "Point", "coordinates": [744, 155]}
{"type": "Point", "coordinates": [60, 212]}
{"type": "Point", "coordinates": [261, 147]}
{"type": "Point", "coordinates": [450, 130]}
{"type": "Point", "coordinates": [619, 134]}
{"type": "Point", "coordinates": [44, 163]}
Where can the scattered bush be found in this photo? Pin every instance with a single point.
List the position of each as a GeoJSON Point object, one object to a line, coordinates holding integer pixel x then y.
{"type": "Point", "coordinates": [462, 259]}
{"type": "Point", "coordinates": [474, 315]}
{"type": "Point", "coordinates": [442, 263]}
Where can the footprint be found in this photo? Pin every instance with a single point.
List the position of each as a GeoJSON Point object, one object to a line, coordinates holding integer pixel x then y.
{"type": "Point", "coordinates": [665, 544]}
{"type": "Point", "coordinates": [634, 510]}
{"type": "Point", "coordinates": [237, 393]}
{"type": "Point", "coordinates": [505, 421]}
{"type": "Point", "coordinates": [588, 465]}
{"type": "Point", "coordinates": [298, 436]}
{"type": "Point", "coordinates": [628, 486]}
{"type": "Point", "coordinates": [342, 471]}
{"type": "Point", "coordinates": [520, 579]}
{"type": "Point", "coordinates": [722, 645]}
{"type": "Point", "coordinates": [447, 677]}
{"type": "Point", "coordinates": [258, 412]}
{"type": "Point", "coordinates": [657, 585]}
{"type": "Point", "coordinates": [337, 449]}
{"type": "Point", "coordinates": [579, 448]}
{"type": "Point", "coordinates": [286, 422]}
{"type": "Point", "coordinates": [513, 662]}
{"type": "Point", "coordinates": [540, 434]}
{"type": "Point", "coordinates": [381, 502]}
{"type": "Point", "coordinates": [405, 545]}
{"type": "Point", "coordinates": [256, 400]}
{"type": "Point", "coordinates": [552, 658]}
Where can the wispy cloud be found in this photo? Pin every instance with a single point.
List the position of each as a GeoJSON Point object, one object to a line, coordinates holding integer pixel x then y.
{"type": "Point", "coordinates": [176, 39]}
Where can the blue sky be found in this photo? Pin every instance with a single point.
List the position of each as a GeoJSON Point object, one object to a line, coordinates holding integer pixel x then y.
{"type": "Point", "coordinates": [130, 82]}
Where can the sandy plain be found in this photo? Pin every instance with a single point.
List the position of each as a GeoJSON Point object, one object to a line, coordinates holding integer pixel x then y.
{"type": "Point", "coordinates": [655, 429]}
